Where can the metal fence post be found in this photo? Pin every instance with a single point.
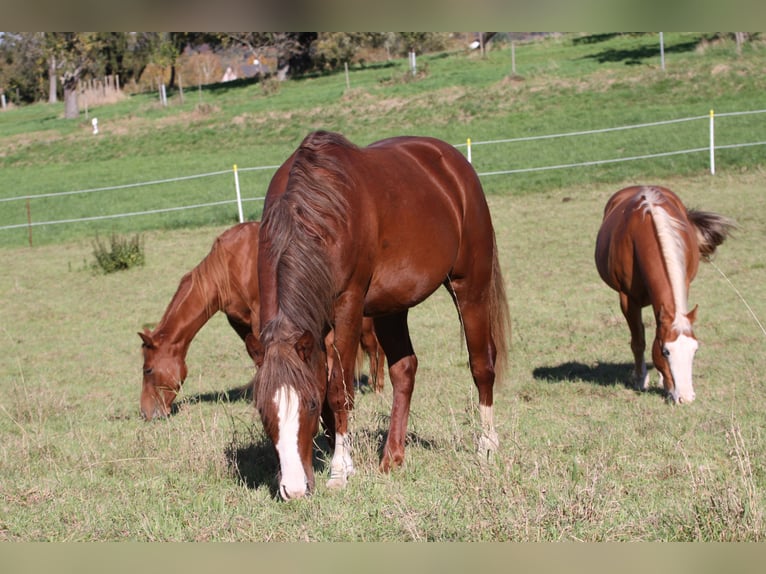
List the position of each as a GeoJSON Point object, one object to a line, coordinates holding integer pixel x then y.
{"type": "Point", "coordinates": [712, 143]}
{"type": "Point", "coordinates": [239, 196]}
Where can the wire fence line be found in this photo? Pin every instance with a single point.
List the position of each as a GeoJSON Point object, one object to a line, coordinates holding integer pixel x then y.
{"type": "Point", "coordinates": [139, 184]}
{"type": "Point", "coordinates": [131, 214]}
{"type": "Point", "coordinates": [468, 145]}
{"type": "Point", "coordinates": [595, 162]}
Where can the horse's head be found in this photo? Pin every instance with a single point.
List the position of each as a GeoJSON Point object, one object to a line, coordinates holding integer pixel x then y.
{"type": "Point", "coordinates": [290, 387]}
{"type": "Point", "coordinates": [673, 354]}
{"type": "Point", "coordinates": [164, 373]}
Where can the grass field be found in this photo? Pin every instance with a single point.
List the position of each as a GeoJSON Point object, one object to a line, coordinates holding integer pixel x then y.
{"type": "Point", "coordinates": [582, 455]}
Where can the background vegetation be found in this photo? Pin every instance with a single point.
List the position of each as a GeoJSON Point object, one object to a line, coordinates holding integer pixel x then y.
{"type": "Point", "coordinates": [562, 84]}
{"type": "Point", "coordinates": [583, 457]}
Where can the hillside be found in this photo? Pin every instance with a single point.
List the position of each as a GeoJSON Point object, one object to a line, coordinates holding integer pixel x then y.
{"type": "Point", "coordinates": [563, 83]}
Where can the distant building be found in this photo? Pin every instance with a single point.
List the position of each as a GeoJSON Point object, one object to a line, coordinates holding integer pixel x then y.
{"type": "Point", "coordinates": [229, 75]}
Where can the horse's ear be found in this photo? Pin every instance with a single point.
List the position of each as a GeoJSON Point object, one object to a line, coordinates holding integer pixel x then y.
{"type": "Point", "coordinates": [254, 349]}
{"type": "Point", "coordinates": [692, 315]}
{"type": "Point", "coordinates": [304, 346]}
{"type": "Point", "coordinates": [146, 337]}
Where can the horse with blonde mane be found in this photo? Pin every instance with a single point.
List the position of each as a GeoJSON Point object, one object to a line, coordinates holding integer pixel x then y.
{"type": "Point", "coordinates": [648, 249]}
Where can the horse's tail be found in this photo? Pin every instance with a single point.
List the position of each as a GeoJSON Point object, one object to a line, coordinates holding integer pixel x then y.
{"type": "Point", "coordinates": [712, 229]}
{"type": "Point", "coordinates": [500, 316]}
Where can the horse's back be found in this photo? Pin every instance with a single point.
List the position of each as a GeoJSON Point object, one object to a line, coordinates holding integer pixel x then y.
{"type": "Point", "coordinates": [431, 217]}
{"type": "Point", "coordinates": [415, 214]}
{"type": "Point", "coordinates": [627, 233]}
{"type": "Point", "coordinates": [427, 183]}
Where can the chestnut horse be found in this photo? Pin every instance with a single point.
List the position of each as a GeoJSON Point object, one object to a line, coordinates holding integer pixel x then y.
{"type": "Point", "coordinates": [225, 280]}
{"type": "Point", "coordinates": [349, 232]}
{"type": "Point", "coordinates": [648, 249]}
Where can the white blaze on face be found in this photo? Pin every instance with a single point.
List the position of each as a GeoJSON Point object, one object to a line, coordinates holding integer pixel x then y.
{"type": "Point", "coordinates": [680, 355]}
{"type": "Point", "coordinates": [293, 479]}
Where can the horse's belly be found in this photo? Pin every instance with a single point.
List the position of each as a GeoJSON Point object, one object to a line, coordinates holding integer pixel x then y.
{"type": "Point", "coordinates": [393, 291]}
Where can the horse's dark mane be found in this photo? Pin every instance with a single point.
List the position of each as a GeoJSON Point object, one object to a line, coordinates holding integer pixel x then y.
{"type": "Point", "coordinates": [300, 224]}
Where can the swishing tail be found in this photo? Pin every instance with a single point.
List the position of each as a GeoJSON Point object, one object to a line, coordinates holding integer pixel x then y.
{"type": "Point", "coordinates": [712, 229]}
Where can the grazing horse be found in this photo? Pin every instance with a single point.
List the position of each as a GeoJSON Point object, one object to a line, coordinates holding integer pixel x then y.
{"type": "Point", "coordinates": [225, 280]}
{"type": "Point", "coordinates": [648, 249]}
{"type": "Point", "coordinates": [349, 232]}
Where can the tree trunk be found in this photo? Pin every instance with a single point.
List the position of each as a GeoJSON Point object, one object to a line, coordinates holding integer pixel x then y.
{"type": "Point", "coordinates": [71, 107]}
{"type": "Point", "coordinates": [52, 81]}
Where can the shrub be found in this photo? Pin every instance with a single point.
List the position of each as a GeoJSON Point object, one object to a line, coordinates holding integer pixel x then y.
{"type": "Point", "coordinates": [121, 253]}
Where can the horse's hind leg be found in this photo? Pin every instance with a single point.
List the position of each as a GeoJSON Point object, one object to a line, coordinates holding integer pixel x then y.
{"type": "Point", "coordinates": [481, 357]}
{"type": "Point", "coordinates": [374, 354]}
{"type": "Point", "coordinates": [393, 335]}
{"type": "Point", "coordinates": [632, 312]}
{"type": "Point", "coordinates": [482, 353]}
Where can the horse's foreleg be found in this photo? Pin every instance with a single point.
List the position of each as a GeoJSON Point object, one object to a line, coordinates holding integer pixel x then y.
{"type": "Point", "coordinates": [632, 312]}
{"type": "Point", "coordinates": [338, 405]}
{"type": "Point", "coordinates": [394, 337]}
{"type": "Point", "coordinates": [340, 390]}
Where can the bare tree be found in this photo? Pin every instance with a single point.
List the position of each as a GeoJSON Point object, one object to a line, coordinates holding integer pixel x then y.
{"type": "Point", "coordinates": [52, 80]}
{"type": "Point", "coordinates": [74, 53]}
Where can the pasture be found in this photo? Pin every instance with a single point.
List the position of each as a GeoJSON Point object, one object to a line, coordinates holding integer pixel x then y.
{"type": "Point", "coordinates": [582, 456]}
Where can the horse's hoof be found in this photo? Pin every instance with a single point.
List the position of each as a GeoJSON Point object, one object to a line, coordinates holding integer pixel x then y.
{"type": "Point", "coordinates": [389, 462]}
{"type": "Point", "coordinates": [337, 482]}
{"type": "Point", "coordinates": [488, 444]}
{"type": "Point", "coordinates": [641, 382]}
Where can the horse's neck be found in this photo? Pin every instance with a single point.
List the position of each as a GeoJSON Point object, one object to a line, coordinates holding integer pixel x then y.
{"type": "Point", "coordinates": [188, 311]}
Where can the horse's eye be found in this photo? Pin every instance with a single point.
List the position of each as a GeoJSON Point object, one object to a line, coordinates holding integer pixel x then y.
{"type": "Point", "coordinates": [148, 371]}
{"type": "Point", "coordinates": [313, 406]}
{"type": "Point", "coordinates": [665, 352]}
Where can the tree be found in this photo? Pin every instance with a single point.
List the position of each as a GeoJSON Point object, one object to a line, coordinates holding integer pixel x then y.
{"type": "Point", "coordinates": [75, 53]}
{"type": "Point", "coordinates": [22, 61]}
{"type": "Point", "coordinates": [420, 42]}
{"type": "Point", "coordinates": [293, 48]}
{"type": "Point", "coordinates": [332, 49]}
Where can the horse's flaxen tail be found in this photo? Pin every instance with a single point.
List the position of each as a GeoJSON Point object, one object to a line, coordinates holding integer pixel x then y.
{"type": "Point", "coordinates": [500, 317]}
{"type": "Point", "coordinates": [712, 229]}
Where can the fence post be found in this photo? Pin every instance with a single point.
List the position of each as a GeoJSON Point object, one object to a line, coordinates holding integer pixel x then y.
{"type": "Point", "coordinates": [348, 81]}
{"type": "Point", "coordinates": [468, 142]}
{"type": "Point", "coordinates": [712, 143]}
{"type": "Point", "coordinates": [29, 222]}
{"type": "Point", "coordinates": [239, 197]}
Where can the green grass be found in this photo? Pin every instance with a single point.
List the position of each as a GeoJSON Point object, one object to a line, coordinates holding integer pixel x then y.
{"type": "Point", "coordinates": [563, 84]}
{"type": "Point", "coordinates": [582, 456]}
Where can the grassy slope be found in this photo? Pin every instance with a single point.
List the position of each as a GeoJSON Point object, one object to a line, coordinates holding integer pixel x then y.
{"type": "Point", "coordinates": [582, 457]}
{"type": "Point", "coordinates": [564, 84]}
